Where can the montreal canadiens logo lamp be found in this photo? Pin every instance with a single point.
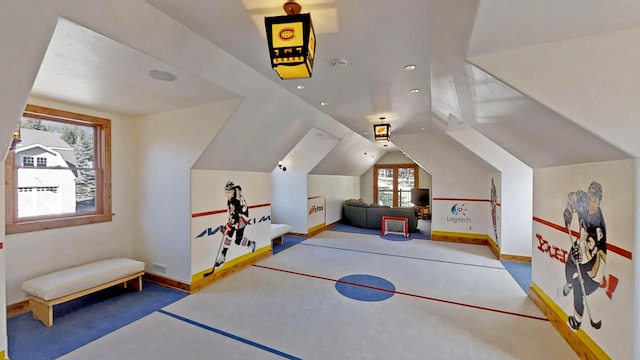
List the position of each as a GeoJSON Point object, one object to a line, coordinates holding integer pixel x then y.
{"type": "Point", "coordinates": [292, 42]}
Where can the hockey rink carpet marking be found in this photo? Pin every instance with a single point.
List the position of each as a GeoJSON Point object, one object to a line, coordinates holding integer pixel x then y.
{"type": "Point", "coordinates": [405, 256]}
{"type": "Point", "coordinates": [365, 287]}
{"type": "Point", "coordinates": [393, 237]}
{"type": "Point", "coordinates": [409, 294]}
{"type": "Point", "coordinates": [229, 335]}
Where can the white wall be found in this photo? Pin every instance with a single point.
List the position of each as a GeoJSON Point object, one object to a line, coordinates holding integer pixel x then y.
{"type": "Point", "coordinates": [290, 188]}
{"type": "Point", "coordinates": [289, 198]}
{"type": "Point", "coordinates": [636, 250]}
{"type": "Point", "coordinates": [517, 210]}
{"type": "Point", "coordinates": [22, 52]}
{"type": "Point", "coordinates": [551, 189]}
{"type": "Point", "coordinates": [456, 174]}
{"type": "Point", "coordinates": [336, 189]}
{"type": "Point", "coordinates": [35, 253]}
{"type": "Point", "coordinates": [517, 187]}
{"type": "Point", "coordinates": [393, 157]}
{"type": "Point", "coordinates": [168, 144]}
{"type": "Point", "coordinates": [3, 285]}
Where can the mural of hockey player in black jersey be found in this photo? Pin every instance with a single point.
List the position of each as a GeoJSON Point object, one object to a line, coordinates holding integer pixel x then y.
{"type": "Point", "coordinates": [237, 219]}
{"type": "Point", "coordinates": [586, 263]}
{"type": "Point", "coordinates": [494, 204]}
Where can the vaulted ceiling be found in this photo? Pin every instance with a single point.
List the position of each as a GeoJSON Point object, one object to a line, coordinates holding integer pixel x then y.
{"type": "Point", "coordinates": [502, 67]}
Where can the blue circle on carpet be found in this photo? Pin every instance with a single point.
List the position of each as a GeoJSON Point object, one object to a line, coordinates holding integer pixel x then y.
{"type": "Point", "coordinates": [393, 237]}
{"type": "Point", "coordinates": [365, 287]}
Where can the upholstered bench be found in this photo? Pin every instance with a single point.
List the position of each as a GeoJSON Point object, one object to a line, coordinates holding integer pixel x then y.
{"type": "Point", "coordinates": [278, 231]}
{"type": "Point", "coordinates": [61, 286]}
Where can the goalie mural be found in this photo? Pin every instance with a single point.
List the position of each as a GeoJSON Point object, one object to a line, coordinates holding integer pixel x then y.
{"type": "Point", "coordinates": [233, 230]}
{"type": "Point", "coordinates": [585, 268]}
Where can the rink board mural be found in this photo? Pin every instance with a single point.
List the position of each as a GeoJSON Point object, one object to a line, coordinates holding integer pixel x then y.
{"type": "Point", "coordinates": [582, 246]}
{"type": "Point", "coordinates": [461, 216]}
{"type": "Point", "coordinates": [230, 219]}
{"type": "Point", "coordinates": [470, 217]}
{"type": "Point", "coordinates": [316, 214]}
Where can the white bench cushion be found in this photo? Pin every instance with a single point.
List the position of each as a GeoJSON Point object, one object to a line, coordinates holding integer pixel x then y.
{"type": "Point", "coordinates": [279, 230]}
{"type": "Point", "coordinates": [68, 281]}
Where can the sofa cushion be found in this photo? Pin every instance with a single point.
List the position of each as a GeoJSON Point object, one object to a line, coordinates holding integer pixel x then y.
{"type": "Point", "coordinates": [354, 215]}
{"type": "Point", "coordinates": [374, 205]}
{"type": "Point", "coordinates": [355, 202]}
{"type": "Point", "coordinates": [374, 216]}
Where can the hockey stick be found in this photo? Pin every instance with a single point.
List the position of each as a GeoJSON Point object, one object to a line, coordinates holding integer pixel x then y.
{"type": "Point", "coordinates": [215, 259]}
{"type": "Point", "coordinates": [594, 324]}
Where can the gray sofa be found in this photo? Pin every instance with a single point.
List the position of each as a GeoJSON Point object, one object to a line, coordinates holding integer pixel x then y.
{"type": "Point", "coordinates": [359, 213]}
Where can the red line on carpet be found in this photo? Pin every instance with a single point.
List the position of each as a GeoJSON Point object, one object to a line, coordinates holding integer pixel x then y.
{"type": "Point", "coordinates": [405, 293]}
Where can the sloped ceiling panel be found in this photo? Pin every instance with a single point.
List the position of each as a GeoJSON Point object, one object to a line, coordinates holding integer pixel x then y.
{"type": "Point", "coordinates": [589, 80]}
{"type": "Point", "coordinates": [510, 24]}
{"type": "Point", "coordinates": [85, 68]}
{"type": "Point", "coordinates": [311, 149]}
{"type": "Point", "coordinates": [523, 126]}
{"type": "Point", "coordinates": [352, 156]}
{"type": "Point", "coordinates": [535, 134]}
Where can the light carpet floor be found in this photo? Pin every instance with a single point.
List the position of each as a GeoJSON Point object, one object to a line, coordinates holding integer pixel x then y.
{"type": "Point", "coordinates": [452, 301]}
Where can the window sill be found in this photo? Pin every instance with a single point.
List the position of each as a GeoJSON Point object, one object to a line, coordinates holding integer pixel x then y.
{"type": "Point", "coordinates": [38, 225]}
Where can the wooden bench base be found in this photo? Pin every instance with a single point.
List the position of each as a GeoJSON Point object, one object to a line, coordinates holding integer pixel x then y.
{"type": "Point", "coordinates": [277, 233]}
{"type": "Point", "coordinates": [43, 309]}
{"type": "Point", "coordinates": [277, 240]}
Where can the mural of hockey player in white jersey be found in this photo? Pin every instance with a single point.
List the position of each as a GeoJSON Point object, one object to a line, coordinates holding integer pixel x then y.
{"type": "Point", "coordinates": [237, 219]}
{"type": "Point", "coordinates": [585, 267]}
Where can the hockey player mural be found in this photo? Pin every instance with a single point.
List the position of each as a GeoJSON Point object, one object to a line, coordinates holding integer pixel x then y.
{"type": "Point", "coordinates": [585, 268]}
{"type": "Point", "coordinates": [494, 203]}
{"type": "Point", "coordinates": [237, 219]}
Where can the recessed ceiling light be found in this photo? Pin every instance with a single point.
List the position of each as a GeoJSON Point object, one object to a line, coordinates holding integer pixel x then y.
{"type": "Point", "coordinates": [324, 103]}
{"type": "Point", "coordinates": [162, 75]}
{"type": "Point", "coordinates": [300, 87]}
{"type": "Point", "coordinates": [410, 67]}
{"type": "Point", "coordinates": [414, 91]}
{"type": "Point", "coordinates": [364, 133]}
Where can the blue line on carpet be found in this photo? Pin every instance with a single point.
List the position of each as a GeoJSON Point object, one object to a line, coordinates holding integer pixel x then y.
{"type": "Point", "coordinates": [229, 335]}
{"type": "Point", "coordinates": [287, 242]}
{"type": "Point", "coordinates": [406, 257]}
{"type": "Point", "coordinates": [521, 272]}
{"type": "Point", "coordinates": [80, 321]}
{"type": "Point", "coordinates": [418, 234]}
{"type": "Point", "coordinates": [395, 237]}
